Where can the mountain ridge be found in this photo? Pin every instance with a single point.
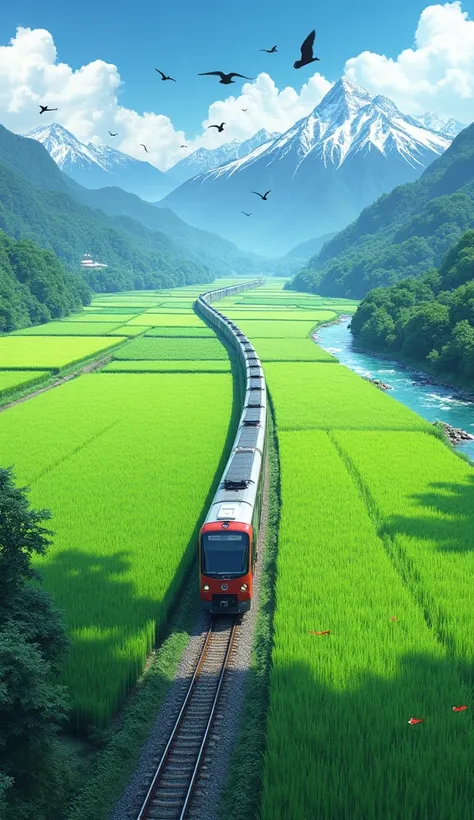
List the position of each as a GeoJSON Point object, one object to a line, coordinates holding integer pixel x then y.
{"type": "Point", "coordinates": [352, 148]}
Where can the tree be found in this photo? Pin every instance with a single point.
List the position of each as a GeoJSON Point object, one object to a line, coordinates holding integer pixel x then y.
{"type": "Point", "coordinates": [33, 706]}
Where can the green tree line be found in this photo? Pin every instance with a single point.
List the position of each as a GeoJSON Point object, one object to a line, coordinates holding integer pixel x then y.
{"type": "Point", "coordinates": [429, 319]}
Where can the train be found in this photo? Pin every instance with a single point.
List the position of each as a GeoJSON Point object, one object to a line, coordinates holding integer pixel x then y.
{"type": "Point", "coordinates": [229, 535]}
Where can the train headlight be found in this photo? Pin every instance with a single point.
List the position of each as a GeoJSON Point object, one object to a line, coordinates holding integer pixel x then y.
{"type": "Point", "coordinates": [244, 587]}
{"type": "Point", "coordinates": [206, 587]}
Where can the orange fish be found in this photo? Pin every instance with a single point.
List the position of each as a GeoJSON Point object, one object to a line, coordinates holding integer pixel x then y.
{"type": "Point", "coordinates": [416, 720]}
{"type": "Point", "coordinates": [325, 632]}
{"type": "Point", "coordinates": [459, 708]}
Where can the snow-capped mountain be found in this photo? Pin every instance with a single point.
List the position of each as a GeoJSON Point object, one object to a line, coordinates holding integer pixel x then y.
{"type": "Point", "coordinates": [99, 166]}
{"type": "Point", "coordinates": [206, 159]}
{"type": "Point", "coordinates": [322, 172]}
{"type": "Point", "coordinates": [447, 127]}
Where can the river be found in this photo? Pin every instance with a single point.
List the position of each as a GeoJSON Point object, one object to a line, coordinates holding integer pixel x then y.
{"type": "Point", "coordinates": [433, 402]}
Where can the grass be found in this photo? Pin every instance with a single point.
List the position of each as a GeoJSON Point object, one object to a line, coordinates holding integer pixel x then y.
{"type": "Point", "coordinates": [276, 330]}
{"type": "Point", "coordinates": [291, 350]}
{"type": "Point", "coordinates": [172, 319]}
{"type": "Point", "coordinates": [338, 739]}
{"type": "Point", "coordinates": [50, 353]}
{"type": "Point", "coordinates": [315, 396]}
{"type": "Point", "coordinates": [175, 348]}
{"type": "Point", "coordinates": [13, 380]}
{"type": "Point", "coordinates": [423, 502]}
{"type": "Point", "coordinates": [192, 332]}
{"type": "Point", "coordinates": [316, 316]}
{"type": "Point", "coordinates": [173, 366]}
{"type": "Point", "coordinates": [104, 317]}
{"type": "Point", "coordinates": [119, 557]}
{"type": "Point", "coordinates": [69, 329]}
{"type": "Point", "coordinates": [128, 330]}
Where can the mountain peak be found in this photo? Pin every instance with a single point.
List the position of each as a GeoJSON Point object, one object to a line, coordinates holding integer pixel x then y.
{"type": "Point", "coordinates": [342, 101]}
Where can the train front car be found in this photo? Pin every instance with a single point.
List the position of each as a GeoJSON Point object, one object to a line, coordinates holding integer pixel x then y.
{"type": "Point", "coordinates": [228, 537]}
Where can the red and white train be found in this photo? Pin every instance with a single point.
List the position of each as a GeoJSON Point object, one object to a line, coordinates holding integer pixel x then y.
{"type": "Point", "coordinates": [228, 537]}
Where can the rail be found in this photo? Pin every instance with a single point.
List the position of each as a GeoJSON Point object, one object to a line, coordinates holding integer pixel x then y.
{"type": "Point", "coordinates": [173, 783]}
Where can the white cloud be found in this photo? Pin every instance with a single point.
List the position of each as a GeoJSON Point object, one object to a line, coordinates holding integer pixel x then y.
{"type": "Point", "coordinates": [87, 99]}
{"type": "Point", "coordinates": [436, 75]}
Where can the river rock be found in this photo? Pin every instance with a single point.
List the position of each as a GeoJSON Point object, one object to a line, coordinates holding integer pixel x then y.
{"type": "Point", "coordinates": [379, 384]}
{"type": "Point", "coordinates": [455, 434]}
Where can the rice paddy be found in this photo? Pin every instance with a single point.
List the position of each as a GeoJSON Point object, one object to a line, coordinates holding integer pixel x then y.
{"type": "Point", "coordinates": [50, 352]}
{"type": "Point", "coordinates": [65, 328]}
{"type": "Point", "coordinates": [291, 350]}
{"type": "Point", "coordinates": [173, 348]}
{"type": "Point", "coordinates": [174, 366]}
{"type": "Point", "coordinates": [13, 380]}
{"type": "Point", "coordinates": [172, 319]}
{"type": "Point", "coordinates": [118, 557]}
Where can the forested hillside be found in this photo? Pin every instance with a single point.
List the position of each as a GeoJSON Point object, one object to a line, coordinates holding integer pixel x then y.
{"type": "Point", "coordinates": [34, 285]}
{"type": "Point", "coordinates": [404, 233]}
{"type": "Point", "coordinates": [428, 319]}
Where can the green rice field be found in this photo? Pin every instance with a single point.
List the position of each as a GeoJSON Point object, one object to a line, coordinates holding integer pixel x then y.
{"type": "Point", "coordinates": [92, 317]}
{"type": "Point", "coordinates": [173, 319]}
{"type": "Point", "coordinates": [291, 350]}
{"type": "Point", "coordinates": [284, 329]}
{"type": "Point", "coordinates": [192, 332]}
{"type": "Point", "coordinates": [65, 328]}
{"type": "Point", "coordinates": [111, 477]}
{"type": "Point", "coordinates": [174, 366]}
{"type": "Point", "coordinates": [13, 380]}
{"type": "Point", "coordinates": [173, 348]}
{"type": "Point", "coordinates": [50, 352]}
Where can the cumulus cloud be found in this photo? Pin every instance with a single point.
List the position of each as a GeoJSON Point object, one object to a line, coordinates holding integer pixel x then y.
{"type": "Point", "coordinates": [436, 75]}
{"type": "Point", "coordinates": [87, 99]}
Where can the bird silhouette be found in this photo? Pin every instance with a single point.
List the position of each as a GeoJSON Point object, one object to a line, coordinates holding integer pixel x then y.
{"type": "Point", "coordinates": [244, 109]}
{"type": "Point", "coordinates": [269, 50]}
{"type": "Point", "coordinates": [183, 146]}
{"type": "Point", "coordinates": [262, 196]}
{"type": "Point", "coordinates": [225, 79]}
{"type": "Point", "coordinates": [144, 146]}
{"type": "Point", "coordinates": [45, 108]}
{"type": "Point", "coordinates": [164, 77]}
{"type": "Point", "coordinates": [113, 135]}
{"type": "Point", "coordinates": [220, 127]}
{"type": "Point", "coordinates": [307, 52]}
{"type": "Point", "coordinates": [246, 214]}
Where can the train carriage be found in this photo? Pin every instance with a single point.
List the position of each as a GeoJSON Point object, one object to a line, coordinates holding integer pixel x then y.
{"type": "Point", "coordinates": [228, 538]}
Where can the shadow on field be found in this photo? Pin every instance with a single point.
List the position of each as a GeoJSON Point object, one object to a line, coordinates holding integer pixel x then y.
{"type": "Point", "coordinates": [452, 533]}
{"type": "Point", "coordinates": [351, 754]}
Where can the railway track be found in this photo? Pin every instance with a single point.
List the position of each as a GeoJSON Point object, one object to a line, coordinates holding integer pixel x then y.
{"type": "Point", "coordinates": [172, 787]}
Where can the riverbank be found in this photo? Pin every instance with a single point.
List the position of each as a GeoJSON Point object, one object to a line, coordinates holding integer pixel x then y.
{"type": "Point", "coordinates": [430, 397]}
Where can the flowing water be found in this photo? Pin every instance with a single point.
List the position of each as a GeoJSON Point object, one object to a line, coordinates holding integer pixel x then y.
{"type": "Point", "coordinates": [433, 402]}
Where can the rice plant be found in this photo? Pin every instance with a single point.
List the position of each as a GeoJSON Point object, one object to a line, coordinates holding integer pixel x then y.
{"type": "Point", "coordinates": [69, 329]}
{"type": "Point", "coordinates": [192, 332]}
{"type": "Point", "coordinates": [128, 485]}
{"type": "Point", "coordinates": [174, 366]}
{"type": "Point", "coordinates": [291, 350]}
{"type": "Point", "coordinates": [50, 352]}
{"type": "Point", "coordinates": [149, 348]}
{"type": "Point", "coordinates": [315, 396]}
{"type": "Point", "coordinates": [13, 380]}
{"type": "Point", "coordinates": [338, 740]}
{"type": "Point", "coordinates": [172, 319]}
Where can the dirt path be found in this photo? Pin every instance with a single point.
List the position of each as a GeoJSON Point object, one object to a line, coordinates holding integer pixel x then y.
{"type": "Point", "coordinates": [88, 368]}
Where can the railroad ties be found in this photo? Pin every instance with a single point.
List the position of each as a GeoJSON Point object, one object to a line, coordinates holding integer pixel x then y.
{"type": "Point", "coordinates": [169, 795]}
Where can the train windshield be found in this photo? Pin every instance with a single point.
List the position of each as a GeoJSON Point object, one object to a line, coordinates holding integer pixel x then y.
{"type": "Point", "coordinates": [225, 553]}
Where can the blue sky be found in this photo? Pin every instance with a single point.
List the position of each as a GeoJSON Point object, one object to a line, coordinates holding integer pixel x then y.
{"type": "Point", "coordinates": [184, 37]}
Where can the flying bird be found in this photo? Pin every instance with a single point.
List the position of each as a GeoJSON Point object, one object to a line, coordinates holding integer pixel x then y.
{"type": "Point", "coordinates": [144, 146]}
{"type": "Point", "coordinates": [324, 632]}
{"type": "Point", "coordinates": [164, 77]}
{"type": "Point", "coordinates": [220, 127]}
{"type": "Point", "coordinates": [45, 108]}
{"type": "Point", "coordinates": [459, 708]}
{"type": "Point", "coordinates": [113, 135]}
{"type": "Point", "coordinates": [246, 214]}
{"type": "Point", "coordinates": [262, 196]}
{"type": "Point", "coordinates": [244, 109]}
{"type": "Point", "coordinates": [412, 721]}
{"type": "Point", "coordinates": [225, 79]}
{"type": "Point", "coordinates": [269, 50]}
{"type": "Point", "coordinates": [307, 52]}
{"type": "Point", "coordinates": [183, 146]}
